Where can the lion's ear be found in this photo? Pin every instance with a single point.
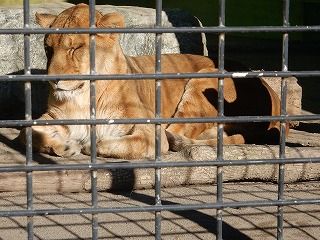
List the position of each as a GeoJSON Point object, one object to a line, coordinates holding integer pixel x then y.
{"type": "Point", "coordinates": [44, 19]}
{"type": "Point", "coordinates": [111, 20]}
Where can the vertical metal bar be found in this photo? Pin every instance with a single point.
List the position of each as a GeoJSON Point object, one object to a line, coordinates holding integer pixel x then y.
{"type": "Point", "coordinates": [282, 155]}
{"type": "Point", "coordinates": [28, 116]}
{"type": "Point", "coordinates": [220, 113]}
{"type": "Point", "coordinates": [158, 126]}
{"type": "Point", "coordinates": [93, 136]}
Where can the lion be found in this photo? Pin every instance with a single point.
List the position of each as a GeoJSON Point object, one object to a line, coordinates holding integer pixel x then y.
{"type": "Point", "coordinates": [125, 99]}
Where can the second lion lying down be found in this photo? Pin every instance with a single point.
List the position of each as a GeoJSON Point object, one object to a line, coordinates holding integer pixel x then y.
{"type": "Point", "coordinates": [123, 99]}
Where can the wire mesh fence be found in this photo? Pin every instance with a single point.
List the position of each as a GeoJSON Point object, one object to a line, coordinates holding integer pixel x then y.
{"type": "Point", "coordinates": [219, 160]}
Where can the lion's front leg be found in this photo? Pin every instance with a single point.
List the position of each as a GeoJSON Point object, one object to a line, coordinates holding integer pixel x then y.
{"type": "Point", "coordinates": [51, 140]}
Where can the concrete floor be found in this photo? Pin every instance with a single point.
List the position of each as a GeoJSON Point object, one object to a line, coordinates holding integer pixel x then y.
{"type": "Point", "coordinates": [300, 221]}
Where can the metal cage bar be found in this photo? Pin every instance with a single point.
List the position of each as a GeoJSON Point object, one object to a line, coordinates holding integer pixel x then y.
{"type": "Point", "coordinates": [219, 173]}
{"type": "Point", "coordinates": [240, 74]}
{"type": "Point", "coordinates": [211, 29]}
{"type": "Point", "coordinates": [150, 208]}
{"type": "Point", "coordinates": [28, 116]}
{"type": "Point", "coordinates": [158, 164]}
{"type": "Point", "coordinates": [158, 45]}
{"type": "Point", "coordinates": [282, 153]}
{"type": "Point", "coordinates": [217, 161]}
{"type": "Point", "coordinates": [94, 189]}
{"type": "Point", "coordinates": [221, 119]}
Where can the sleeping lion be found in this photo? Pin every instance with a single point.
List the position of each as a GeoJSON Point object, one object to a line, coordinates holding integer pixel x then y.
{"type": "Point", "coordinates": [124, 99]}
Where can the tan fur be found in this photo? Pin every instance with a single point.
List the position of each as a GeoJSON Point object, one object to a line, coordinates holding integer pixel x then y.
{"type": "Point", "coordinates": [69, 54]}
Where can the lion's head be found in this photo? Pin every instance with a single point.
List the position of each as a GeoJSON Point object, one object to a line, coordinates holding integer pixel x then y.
{"type": "Point", "coordinates": [70, 53]}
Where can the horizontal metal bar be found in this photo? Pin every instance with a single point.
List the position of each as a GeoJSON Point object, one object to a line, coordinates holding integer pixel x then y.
{"type": "Point", "coordinates": [218, 119]}
{"type": "Point", "coordinates": [155, 164]}
{"type": "Point", "coordinates": [42, 77]}
{"type": "Point", "coordinates": [152, 208]}
{"type": "Point", "coordinates": [214, 29]}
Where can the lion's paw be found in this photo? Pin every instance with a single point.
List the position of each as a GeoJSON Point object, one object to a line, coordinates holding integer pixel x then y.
{"type": "Point", "coordinates": [70, 148]}
{"type": "Point", "coordinates": [86, 149]}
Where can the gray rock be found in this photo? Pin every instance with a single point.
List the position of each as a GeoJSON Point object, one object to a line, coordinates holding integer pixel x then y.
{"type": "Point", "coordinates": [294, 94]}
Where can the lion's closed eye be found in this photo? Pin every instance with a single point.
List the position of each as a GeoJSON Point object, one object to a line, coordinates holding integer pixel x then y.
{"type": "Point", "coordinates": [72, 49]}
{"type": "Point", "coordinates": [76, 53]}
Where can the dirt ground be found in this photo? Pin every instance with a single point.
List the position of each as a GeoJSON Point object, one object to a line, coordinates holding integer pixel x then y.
{"type": "Point", "coordinates": [300, 221]}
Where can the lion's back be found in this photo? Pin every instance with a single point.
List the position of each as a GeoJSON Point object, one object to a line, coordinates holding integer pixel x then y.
{"type": "Point", "coordinates": [172, 63]}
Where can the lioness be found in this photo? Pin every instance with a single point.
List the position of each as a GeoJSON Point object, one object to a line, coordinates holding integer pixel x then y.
{"type": "Point", "coordinates": [115, 99]}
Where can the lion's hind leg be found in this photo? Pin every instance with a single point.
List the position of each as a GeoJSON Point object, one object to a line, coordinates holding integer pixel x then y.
{"type": "Point", "coordinates": [178, 142]}
{"type": "Point", "coordinates": [194, 103]}
{"type": "Point", "coordinates": [139, 143]}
